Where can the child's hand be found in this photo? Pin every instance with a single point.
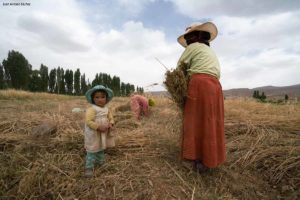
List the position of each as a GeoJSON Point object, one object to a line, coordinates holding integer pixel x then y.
{"type": "Point", "coordinates": [110, 129]}
{"type": "Point", "coordinates": [111, 126]}
{"type": "Point", "coordinates": [103, 128]}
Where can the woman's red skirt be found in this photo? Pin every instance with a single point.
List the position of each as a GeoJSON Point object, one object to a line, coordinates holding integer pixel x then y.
{"type": "Point", "coordinates": [203, 121]}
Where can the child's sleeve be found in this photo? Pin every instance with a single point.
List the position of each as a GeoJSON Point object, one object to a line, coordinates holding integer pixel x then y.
{"type": "Point", "coordinates": [110, 117]}
{"type": "Point", "coordinates": [90, 118]}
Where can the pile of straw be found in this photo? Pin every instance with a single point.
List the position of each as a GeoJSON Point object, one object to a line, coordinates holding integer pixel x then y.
{"type": "Point", "coordinates": [273, 153]}
{"type": "Point", "coordinates": [176, 83]}
{"type": "Point", "coordinates": [123, 107]}
{"type": "Point", "coordinates": [40, 160]}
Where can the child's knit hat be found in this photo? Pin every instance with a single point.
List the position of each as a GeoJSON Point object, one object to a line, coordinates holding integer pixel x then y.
{"type": "Point", "coordinates": [108, 91]}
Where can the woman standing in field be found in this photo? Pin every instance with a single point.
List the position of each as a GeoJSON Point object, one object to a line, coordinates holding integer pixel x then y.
{"type": "Point", "coordinates": [203, 118]}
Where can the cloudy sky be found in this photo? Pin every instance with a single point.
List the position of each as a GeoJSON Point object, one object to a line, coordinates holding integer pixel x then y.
{"type": "Point", "coordinates": [258, 42]}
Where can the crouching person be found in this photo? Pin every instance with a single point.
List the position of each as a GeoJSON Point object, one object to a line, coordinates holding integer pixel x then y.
{"type": "Point", "coordinates": [139, 105]}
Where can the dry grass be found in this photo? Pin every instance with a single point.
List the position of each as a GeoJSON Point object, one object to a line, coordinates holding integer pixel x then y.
{"type": "Point", "coordinates": [24, 95]}
{"type": "Point", "coordinates": [176, 83]}
{"type": "Point", "coordinates": [263, 145]}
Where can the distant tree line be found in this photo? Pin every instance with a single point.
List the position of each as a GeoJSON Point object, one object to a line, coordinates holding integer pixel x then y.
{"type": "Point", "coordinates": [261, 96]}
{"type": "Point", "coordinates": [286, 97]}
{"type": "Point", "coordinates": [16, 72]}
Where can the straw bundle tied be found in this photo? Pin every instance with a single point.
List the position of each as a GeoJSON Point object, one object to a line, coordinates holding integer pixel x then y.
{"type": "Point", "coordinates": [176, 83]}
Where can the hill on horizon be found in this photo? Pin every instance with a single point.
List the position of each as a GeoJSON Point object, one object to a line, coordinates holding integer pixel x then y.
{"type": "Point", "coordinates": [270, 91]}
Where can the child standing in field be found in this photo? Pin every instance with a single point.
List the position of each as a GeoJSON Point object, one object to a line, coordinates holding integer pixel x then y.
{"type": "Point", "coordinates": [98, 124]}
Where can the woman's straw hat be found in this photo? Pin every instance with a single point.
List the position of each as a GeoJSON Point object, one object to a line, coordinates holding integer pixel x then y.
{"type": "Point", "coordinates": [208, 27]}
{"type": "Point", "coordinates": [108, 91]}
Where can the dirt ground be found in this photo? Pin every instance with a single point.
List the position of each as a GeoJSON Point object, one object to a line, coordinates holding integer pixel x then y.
{"type": "Point", "coordinates": [262, 140]}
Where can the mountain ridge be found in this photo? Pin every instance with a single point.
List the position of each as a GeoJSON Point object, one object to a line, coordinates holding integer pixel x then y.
{"type": "Point", "coordinates": [270, 91]}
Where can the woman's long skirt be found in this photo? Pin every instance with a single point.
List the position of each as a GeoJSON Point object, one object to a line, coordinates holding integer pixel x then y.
{"type": "Point", "coordinates": [203, 121]}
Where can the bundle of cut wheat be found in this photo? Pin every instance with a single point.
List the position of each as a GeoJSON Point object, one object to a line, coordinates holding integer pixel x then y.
{"type": "Point", "coordinates": [176, 83]}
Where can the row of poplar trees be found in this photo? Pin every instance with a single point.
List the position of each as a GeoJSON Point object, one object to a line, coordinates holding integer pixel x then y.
{"type": "Point", "coordinates": [16, 72]}
{"type": "Point", "coordinates": [256, 95]}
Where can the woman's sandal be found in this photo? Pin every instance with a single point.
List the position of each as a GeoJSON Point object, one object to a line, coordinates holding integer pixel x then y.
{"type": "Point", "coordinates": [199, 167]}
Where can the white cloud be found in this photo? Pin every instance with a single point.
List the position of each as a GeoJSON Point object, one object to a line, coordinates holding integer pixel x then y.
{"type": "Point", "coordinates": [258, 42]}
{"type": "Point", "coordinates": [212, 8]}
{"type": "Point", "coordinates": [54, 25]}
{"type": "Point", "coordinates": [60, 38]}
{"type": "Point", "coordinates": [255, 48]}
{"type": "Point", "coordinates": [270, 67]}
{"type": "Point", "coordinates": [243, 36]}
{"type": "Point", "coordinates": [254, 52]}
{"type": "Point", "coordinates": [131, 53]}
{"type": "Point", "coordinates": [55, 38]}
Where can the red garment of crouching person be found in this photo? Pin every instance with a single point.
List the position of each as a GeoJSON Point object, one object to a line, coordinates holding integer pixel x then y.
{"type": "Point", "coordinates": [139, 106]}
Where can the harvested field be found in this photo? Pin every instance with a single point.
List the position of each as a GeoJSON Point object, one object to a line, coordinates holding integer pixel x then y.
{"type": "Point", "coordinates": [42, 154]}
